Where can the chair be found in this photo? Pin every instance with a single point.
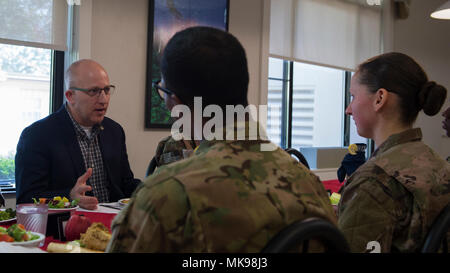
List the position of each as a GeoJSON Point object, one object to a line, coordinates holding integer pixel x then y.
{"type": "Point", "coordinates": [299, 156]}
{"type": "Point", "coordinates": [151, 167]}
{"type": "Point", "coordinates": [438, 233]}
{"type": "Point", "coordinates": [303, 231]}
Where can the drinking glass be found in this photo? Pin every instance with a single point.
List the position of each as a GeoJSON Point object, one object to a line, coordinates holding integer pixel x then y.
{"type": "Point", "coordinates": [33, 217]}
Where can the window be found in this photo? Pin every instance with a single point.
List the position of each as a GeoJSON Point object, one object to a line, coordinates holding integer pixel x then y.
{"type": "Point", "coordinates": [306, 106]}
{"type": "Point", "coordinates": [278, 81]}
{"type": "Point", "coordinates": [317, 106]}
{"type": "Point", "coordinates": [25, 96]}
{"type": "Point", "coordinates": [306, 97]}
{"type": "Point", "coordinates": [33, 38]}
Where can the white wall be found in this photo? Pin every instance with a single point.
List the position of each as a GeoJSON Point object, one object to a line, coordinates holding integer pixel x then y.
{"type": "Point", "coordinates": [427, 40]}
{"type": "Point", "coordinates": [117, 39]}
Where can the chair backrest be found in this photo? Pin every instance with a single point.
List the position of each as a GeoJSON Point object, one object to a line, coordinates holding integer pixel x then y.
{"type": "Point", "coordinates": [302, 231]}
{"type": "Point", "coordinates": [437, 235]}
{"type": "Point", "coordinates": [151, 167]}
{"type": "Point", "coordinates": [299, 155]}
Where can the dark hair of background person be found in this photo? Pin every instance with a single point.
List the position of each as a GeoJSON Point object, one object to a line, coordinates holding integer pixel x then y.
{"type": "Point", "coordinates": [400, 74]}
{"type": "Point", "coordinates": [206, 62]}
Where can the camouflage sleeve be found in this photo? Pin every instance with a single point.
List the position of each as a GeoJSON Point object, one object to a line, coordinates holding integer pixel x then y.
{"type": "Point", "coordinates": [366, 214]}
{"type": "Point", "coordinates": [156, 220]}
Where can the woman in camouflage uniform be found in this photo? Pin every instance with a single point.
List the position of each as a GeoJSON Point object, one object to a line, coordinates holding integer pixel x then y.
{"type": "Point", "coordinates": [391, 201]}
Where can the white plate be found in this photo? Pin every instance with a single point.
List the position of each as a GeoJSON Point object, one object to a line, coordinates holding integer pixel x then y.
{"type": "Point", "coordinates": [9, 248]}
{"type": "Point", "coordinates": [34, 243]}
{"type": "Point", "coordinates": [124, 201]}
{"type": "Point", "coordinates": [53, 210]}
{"type": "Point", "coordinates": [8, 220]}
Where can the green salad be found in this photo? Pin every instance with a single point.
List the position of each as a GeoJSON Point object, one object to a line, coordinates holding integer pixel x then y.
{"type": "Point", "coordinates": [57, 202]}
{"type": "Point", "coordinates": [16, 233]}
{"type": "Point", "coordinates": [7, 214]}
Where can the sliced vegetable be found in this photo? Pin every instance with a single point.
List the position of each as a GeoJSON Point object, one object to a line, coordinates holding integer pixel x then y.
{"type": "Point", "coordinates": [6, 238]}
{"type": "Point", "coordinates": [16, 233]}
{"type": "Point", "coordinates": [74, 202]}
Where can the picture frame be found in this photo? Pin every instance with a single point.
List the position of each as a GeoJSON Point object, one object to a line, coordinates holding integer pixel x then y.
{"type": "Point", "coordinates": [166, 17]}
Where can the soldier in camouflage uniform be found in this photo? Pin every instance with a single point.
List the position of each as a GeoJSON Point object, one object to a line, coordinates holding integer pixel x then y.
{"type": "Point", "coordinates": [229, 196]}
{"type": "Point", "coordinates": [393, 198]}
{"type": "Point", "coordinates": [170, 150]}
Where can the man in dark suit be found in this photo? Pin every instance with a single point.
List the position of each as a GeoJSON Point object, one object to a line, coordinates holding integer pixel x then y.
{"type": "Point", "coordinates": [76, 152]}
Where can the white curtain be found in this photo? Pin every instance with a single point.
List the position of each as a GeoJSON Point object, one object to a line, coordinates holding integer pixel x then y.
{"type": "Point", "coordinates": [36, 23]}
{"type": "Point", "coordinates": [334, 33]}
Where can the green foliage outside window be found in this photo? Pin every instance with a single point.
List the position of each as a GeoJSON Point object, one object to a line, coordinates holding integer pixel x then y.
{"type": "Point", "coordinates": [7, 167]}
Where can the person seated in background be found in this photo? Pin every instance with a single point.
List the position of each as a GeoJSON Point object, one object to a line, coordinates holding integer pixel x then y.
{"type": "Point", "coordinates": [351, 162]}
{"type": "Point", "coordinates": [393, 199]}
{"type": "Point", "coordinates": [76, 152]}
{"type": "Point", "coordinates": [229, 196]}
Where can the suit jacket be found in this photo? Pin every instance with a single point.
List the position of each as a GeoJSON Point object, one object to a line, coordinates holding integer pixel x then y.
{"type": "Point", "coordinates": [49, 160]}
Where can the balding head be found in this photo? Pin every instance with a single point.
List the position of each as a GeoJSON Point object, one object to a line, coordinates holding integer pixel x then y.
{"type": "Point", "coordinates": [85, 108]}
{"type": "Point", "coordinates": [82, 72]}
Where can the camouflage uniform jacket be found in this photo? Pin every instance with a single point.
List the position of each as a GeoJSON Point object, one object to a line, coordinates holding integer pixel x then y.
{"type": "Point", "coordinates": [228, 197]}
{"type": "Point", "coordinates": [395, 196]}
{"type": "Point", "coordinates": [170, 150]}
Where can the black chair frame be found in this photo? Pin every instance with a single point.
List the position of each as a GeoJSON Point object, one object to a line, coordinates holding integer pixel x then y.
{"type": "Point", "coordinates": [299, 155]}
{"type": "Point", "coordinates": [151, 167]}
{"type": "Point", "coordinates": [302, 231]}
{"type": "Point", "coordinates": [437, 235]}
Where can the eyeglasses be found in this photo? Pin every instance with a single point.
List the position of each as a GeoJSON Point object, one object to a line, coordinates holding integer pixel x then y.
{"type": "Point", "coordinates": [96, 91]}
{"type": "Point", "coordinates": [161, 90]}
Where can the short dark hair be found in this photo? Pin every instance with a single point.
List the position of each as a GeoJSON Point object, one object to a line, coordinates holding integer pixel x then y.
{"type": "Point", "coordinates": [400, 74]}
{"type": "Point", "coordinates": [206, 62]}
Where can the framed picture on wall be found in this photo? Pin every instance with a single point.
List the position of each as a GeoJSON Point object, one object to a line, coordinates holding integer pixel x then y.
{"type": "Point", "coordinates": [167, 17]}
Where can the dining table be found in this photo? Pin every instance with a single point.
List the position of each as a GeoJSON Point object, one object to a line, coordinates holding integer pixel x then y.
{"type": "Point", "coordinates": [333, 185]}
{"type": "Point", "coordinates": [104, 214]}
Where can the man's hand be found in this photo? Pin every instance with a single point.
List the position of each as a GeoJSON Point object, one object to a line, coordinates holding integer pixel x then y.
{"type": "Point", "coordinates": [79, 190]}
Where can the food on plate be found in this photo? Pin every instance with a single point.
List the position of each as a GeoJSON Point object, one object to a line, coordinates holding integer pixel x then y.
{"type": "Point", "coordinates": [7, 214]}
{"type": "Point", "coordinates": [96, 237]}
{"type": "Point", "coordinates": [334, 198]}
{"type": "Point", "coordinates": [71, 247]}
{"type": "Point", "coordinates": [57, 202]}
{"type": "Point", "coordinates": [94, 240]}
{"type": "Point", "coordinates": [124, 201]}
{"type": "Point", "coordinates": [76, 225]}
{"type": "Point", "coordinates": [16, 233]}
